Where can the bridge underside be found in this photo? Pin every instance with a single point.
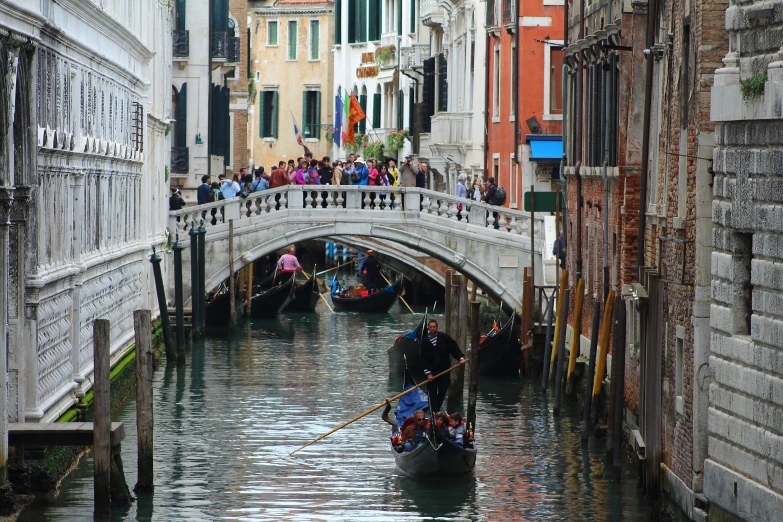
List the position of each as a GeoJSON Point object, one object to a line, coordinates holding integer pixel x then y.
{"type": "Point", "coordinates": [493, 259]}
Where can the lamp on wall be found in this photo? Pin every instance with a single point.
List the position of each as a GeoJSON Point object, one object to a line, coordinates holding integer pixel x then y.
{"type": "Point", "coordinates": [533, 125]}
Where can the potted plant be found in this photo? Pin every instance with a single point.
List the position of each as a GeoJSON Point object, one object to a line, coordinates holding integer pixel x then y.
{"type": "Point", "coordinates": [384, 54]}
{"type": "Point", "coordinates": [396, 140]}
{"type": "Point", "coordinates": [373, 149]}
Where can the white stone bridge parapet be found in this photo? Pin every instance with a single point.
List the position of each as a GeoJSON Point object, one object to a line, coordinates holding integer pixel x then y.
{"type": "Point", "coordinates": [458, 232]}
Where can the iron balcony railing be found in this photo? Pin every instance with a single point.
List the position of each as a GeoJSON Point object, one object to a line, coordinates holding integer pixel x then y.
{"type": "Point", "coordinates": [180, 162]}
{"type": "Point", "coordinates": [233, 49]}
{"type": "Point", "coordinates": [181, 43]}
{"type": "Point", "coordinates": [509, 12]}
{"type": "Point", "coordinates": [220, 45]}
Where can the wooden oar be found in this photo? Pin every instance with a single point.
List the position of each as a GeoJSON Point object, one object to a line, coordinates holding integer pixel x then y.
{"type": "Point", "coordinates": [335, 268]}
{"type": "Point", "coordinates": [374, 408]}
{"type": "Point", "coordinates": [325, 301]}
{"type": "Point", "coordinates": [400, 296]}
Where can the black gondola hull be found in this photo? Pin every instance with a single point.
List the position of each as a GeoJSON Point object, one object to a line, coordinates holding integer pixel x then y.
{"type": "Point", "coordinates": [500, 355]}
{"type": "Point", "coordinates": [377, 303]}
{"type": "Point", "coordinates": [217, 313]}
{"type": "Point", "coordinates": [305, 297]}
{"type": "Point", "coordinates": [269, 303]}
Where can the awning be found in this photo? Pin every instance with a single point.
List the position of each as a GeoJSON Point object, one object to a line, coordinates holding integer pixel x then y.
{"type": "Point", "coordinates": [545, 147]}
{"type": "Point", "coordinates": [387, 75]}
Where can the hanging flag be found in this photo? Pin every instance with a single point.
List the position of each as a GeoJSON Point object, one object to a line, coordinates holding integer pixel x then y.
{"type": "Point", "coordinates": [356, 115]}
{"type": "Point", "coordinates": [338, 120]}
{"type": "Point", "coordinates": [346, 115]}
{"type": "Point", "coordinates": [298, 134]}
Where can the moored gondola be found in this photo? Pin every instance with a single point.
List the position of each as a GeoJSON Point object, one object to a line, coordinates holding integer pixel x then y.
{"type": "Point", "coordinates": [406, 352]}
{"type": "Point", "coordinates": [500, 352]}
{"type": "Point", "coordinates": [377, 302]}
{"type": "Point", "coordinates": [217, 308]}
{"type": "Point", "coordinates": [268, 302]}
{"type": "Point", "coordinates": [305, 297]}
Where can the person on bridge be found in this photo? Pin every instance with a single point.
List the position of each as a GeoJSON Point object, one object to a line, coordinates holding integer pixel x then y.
{"type": "Point", "coordinates": [371, 268]}
{"type": "Point", "coordinates": [278, 177]}
{"type": "Point", "coordinates": [421, 176]}
{"type": "Point", "coordinates": [407, 172]}
{"type": "Point", "coordinates": [436, 347]}
{"type": "Point", "coordinates": [360, 174]}
{"type": "Point", "coordinates": [288, 263]}
{"type": "Point", "coordinates": [204, 193]}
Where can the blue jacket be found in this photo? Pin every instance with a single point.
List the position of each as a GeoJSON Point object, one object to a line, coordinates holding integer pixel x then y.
{"type": "Point", "coordinates": [364, 174]}
{"type": "Point", "coordinates": [227, 189]}
{"type": "Point", "coordinates": [259, 184]}
{"type": "Point", "coordinates": [205, 194]}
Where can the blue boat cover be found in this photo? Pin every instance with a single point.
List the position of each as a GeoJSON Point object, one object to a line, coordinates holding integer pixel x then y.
{"type": "Point", "coordinates": [389, 288]}
{"type": "Point", "coordinates": [411, 335]}
{"type": "Point", "coordinates": [415, 400]}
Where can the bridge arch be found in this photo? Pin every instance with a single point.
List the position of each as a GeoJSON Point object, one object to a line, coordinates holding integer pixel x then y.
{"type": "Point", "coordinates": [423, 220]}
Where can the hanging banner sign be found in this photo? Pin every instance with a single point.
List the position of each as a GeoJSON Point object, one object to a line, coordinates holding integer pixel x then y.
{"type": "Point", "coordinates": [367, 72]}
{"type": "Point", "coordinates": [368, 57]}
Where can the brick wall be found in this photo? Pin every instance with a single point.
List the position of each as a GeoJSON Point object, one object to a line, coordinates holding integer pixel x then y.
{"type": "Point", "coordinates": [238, 86]}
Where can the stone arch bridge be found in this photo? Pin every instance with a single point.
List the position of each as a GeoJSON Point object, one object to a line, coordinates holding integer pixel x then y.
{"type": "Point", "coordinates": [456, 231]}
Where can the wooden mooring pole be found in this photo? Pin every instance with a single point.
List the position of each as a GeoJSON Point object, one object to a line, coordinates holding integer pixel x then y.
{"type": "Point", "coordinates": [142, 324]}
{"type": "Point", "coordinates": [576, 335]}
{"type": "Point", "coordinates": [561, 351]}
{"type": "Point", "coordinates": [456, 320]}
{"type": "Point", "coordinates": [231, 284]}
{"type": "Point", "coordinates": [619, 405]}
{"type": "Point", "coordinates": [548, 341]}
{"type": "Point", "coordinates": [102, 424]}
{"type": "Point", "coordinates": [560, 304]}
{"type": "Point", "coordinates": [590, 371]}
{"type": "Point", "coordinates": [155, 259]}
{"type": "Point", "coordinates": [202, 282]}
{"type": "Point", "coordinates": [179, 302]}
{"type": "Point", "coordinates": [195, 289]}
{"type": "Point", "coordinates": [473, 362]}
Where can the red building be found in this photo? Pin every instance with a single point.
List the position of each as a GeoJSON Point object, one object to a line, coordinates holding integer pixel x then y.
{"type": "Point", "coordinates": [524, 94]}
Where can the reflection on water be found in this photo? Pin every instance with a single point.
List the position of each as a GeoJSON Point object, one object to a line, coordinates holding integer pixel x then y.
{"type": "Point", "coordinates": [224, 426]}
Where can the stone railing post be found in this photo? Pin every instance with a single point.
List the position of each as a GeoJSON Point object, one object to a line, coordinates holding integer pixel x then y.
{"type": "Point", "coordinates": [295, 197]}
{"type": "Point", "coordinates": [232, 208]}
{"type": "Point", "coordinates": [412, 200]}
{"type": "Point", "coordinates": [353, 198]}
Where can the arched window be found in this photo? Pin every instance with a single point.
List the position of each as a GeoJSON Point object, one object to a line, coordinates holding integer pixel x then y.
{"type": "Point", "coordinates": [375, 122]}
{"type": "Point", "coordinates": [363, 103]}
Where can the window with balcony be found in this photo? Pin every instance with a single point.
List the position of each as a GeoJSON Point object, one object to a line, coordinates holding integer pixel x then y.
{"type": "Point", "coordinates": [315, 40]}
{"type": "Point", "coordinates": [271, 33]}
{"type": "Point", "coordinates": [291, 54]}
{"type": "Point", "coordinates": [492, 15]}
{"type": "Point", "coordinates": [413, 16]}
{"type": "Point", "coordinates": [311, 114]}
{"type": "Point", "coordinates": [180, 43]}
{"type": "Point", "coordinates": [357, 21]}
{"type": "Point", "coordinates": [179, 149]}
{"type": "Point", "coordinates": [375, 20]}
{"type": "Point", "coordinates": [267, 114]}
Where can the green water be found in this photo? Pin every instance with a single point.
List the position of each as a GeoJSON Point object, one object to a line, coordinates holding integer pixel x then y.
{"type": "Point", "coordinates": [225, 423]}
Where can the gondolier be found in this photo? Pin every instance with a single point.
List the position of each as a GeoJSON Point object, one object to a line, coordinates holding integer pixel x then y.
{"type": "Point", "coordinates": [288, 263]}
{"type": "Point", "coordinates": [371, 269]}
{"type": "Point", "coordinates": [436, 347]}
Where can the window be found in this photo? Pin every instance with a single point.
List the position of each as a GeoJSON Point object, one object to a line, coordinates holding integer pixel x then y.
{"type": "Point", "coordinates": [413, 16]}
{"type": "Point", "coordinates": [338, 22]}
{"type": "Point", "coordinates": [513, 173]}
{"type": "Point", "coordinates": [311, 114]}
{"type": "Point", "coordinates": [443, 83]}
{"type": "Point", "coordinates": [357, 18]}
{"type": "Point", "coordinates": [315, 39]}
{"type": "Point", "coordinates": [291, 40]}
{"type": "Point", "coordinates": [271, 33]}
{"type": "Point", "coordinates": [399, 17]}
{"type": "Point", "coordinates": [377, 102]}
{"type": "Point", "coordinates": [267, 114]}
{"type": "Point", "coordinates": [512, 87]}
{"type": "Point", "coordinates": [678, 367]}
{"type": "Point", "coordinates": [375, 20]}
{"type": "Point", "coordinates": [496, 85]}
{"type": "Point", "coordinates": [363, 103]}
{"type": "Point", "coordinates": [553, 81]}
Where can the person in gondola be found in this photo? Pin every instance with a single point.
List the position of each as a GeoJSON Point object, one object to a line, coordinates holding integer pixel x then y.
{"type": "Point", "coordinates": [371, 268]}
{"type": "Point", "coordinates": [457, 429]}
{"type": "Point", "coordinates": [288, 263]}
{"type": "Point", "coordinates": [436, 347]}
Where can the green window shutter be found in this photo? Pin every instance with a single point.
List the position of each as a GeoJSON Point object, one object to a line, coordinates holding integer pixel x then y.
{"type": "Point", "coordinates": [443, 84]}
{"type": "Point", "coordinates": [263, 100]}
{"type": "Point", "coordinates": [352, 15]}
{"type": "Point", "coordinates": [411, 108]}
{"type": "Point", "coordinates": [305, 116]}
{"type": "Point", "coordinates": [181, 4]}
{"type": "Point", "coordinates": [362, 20]}
{"type": "Point", "coordinates": [401, 110]}
{"type": "Point", "coordinates": [363, 123]}
{"type": "Point", "coordinates": [182, 117]}
{"type": "Point", "coordinates": [315, 39]}
{"type": "Point", "coordinates": [376, 111]}
{"type": "Point", "coordinates": [271, 37]}
{"type": "Point", "coordinates": [399, 17]}
{"type": "Point", "coordinates": [292, 40]}
{"type": "Point", "coordinates": [317, 115]}
{"type": "Point", "coordinates": [374, 32]}
{"type": "Point", "coordinates": [273, 123]}
{"type": "Point", "coordinates": [338, 22]}
{"type": "Point", "coordinates": [413, 16]}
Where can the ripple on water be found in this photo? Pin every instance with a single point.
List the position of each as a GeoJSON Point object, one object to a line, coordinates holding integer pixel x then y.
{"type": "Point", "coordinates": [226, 423]}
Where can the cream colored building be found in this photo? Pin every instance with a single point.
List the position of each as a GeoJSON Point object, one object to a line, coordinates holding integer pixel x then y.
{"type": "Point", "coordinates": [292, 74]}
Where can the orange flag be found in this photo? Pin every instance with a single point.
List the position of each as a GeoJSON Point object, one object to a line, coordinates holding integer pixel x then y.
{"type": "Point", "coordinates": [355, 115]}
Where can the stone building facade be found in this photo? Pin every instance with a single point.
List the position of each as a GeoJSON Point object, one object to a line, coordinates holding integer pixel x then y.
{"type": "Point", "coordinates": [85, 101]}
{"type": "Point", "coordinates": [743, 473]}
{"type": "Point", "coordinates": [678, 241]}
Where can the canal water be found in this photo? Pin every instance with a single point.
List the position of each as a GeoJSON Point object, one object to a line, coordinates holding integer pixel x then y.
{"type": "Point", "coordinates": [225, 424]}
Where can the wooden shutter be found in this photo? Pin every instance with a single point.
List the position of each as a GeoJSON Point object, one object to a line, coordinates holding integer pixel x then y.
{"type": "Point", "coordinates": [181, 4]}
{"type": "Point", "coordinates": [263, 101]}
{"type": "Point", "coordinates": [362, 20]}
{"type": "Point", "coordinates": [411, 109]}
{"type": "Point", "coordinates": [363, 123]}
{"type": "Point", "coordinates": [317, 115]}
{"type": "Point", "coordinates": [376, 111]}
{"type": "Point", "coordinates": [305, 115]}
{"type": "Point", "coordinates": [443, 84]}
{"type": "Point", "coordinates": [429, 93]}
{"type": "Point", "coordinates": [413, 16]}
{"type": "Point", "coordinates": [399, 17]}
{"type": "Point", "coordinates": [182, 117]}
{"type": "Point", "coordinates": [401, 109]}
{"type": "Point", "coordinates": [338, 22]}
{"type": "Point", "coordinates": [273, 122]}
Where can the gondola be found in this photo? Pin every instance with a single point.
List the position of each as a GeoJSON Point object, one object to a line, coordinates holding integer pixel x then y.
{"type": "Point", "coordinates": [454, 459]}
{"type": "Point", "coordinates": [419, 462]}
{"type": "Point", "coordinates": [378, 302]}
{"type": "Point", "coordinates": [499, 352]}
{"type": "Point", "coordinates": [305, 296]}
{"type": "Point", "coordinates": [217, 308]}
{"type": "Point", "coordinates": [268, 302]}
{"type": "Point", "coordinates": [406, 351]}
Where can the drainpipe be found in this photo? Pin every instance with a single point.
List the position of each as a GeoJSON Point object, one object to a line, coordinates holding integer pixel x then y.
{"type": "Point", "coordinates": [515, 36]}
{"type": "Point", "coordinates": [579, 131]}
{"type": "Point", "coordinates": [652, 9]}
{"type": "Point", "coordinates": [608, 72]}
{"type": "Point", "coordinates": [209, 87]}
{"type": "Point", "coordinates": [564, 159]}
{"type": "Point", "coordinates": [486, 109]}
